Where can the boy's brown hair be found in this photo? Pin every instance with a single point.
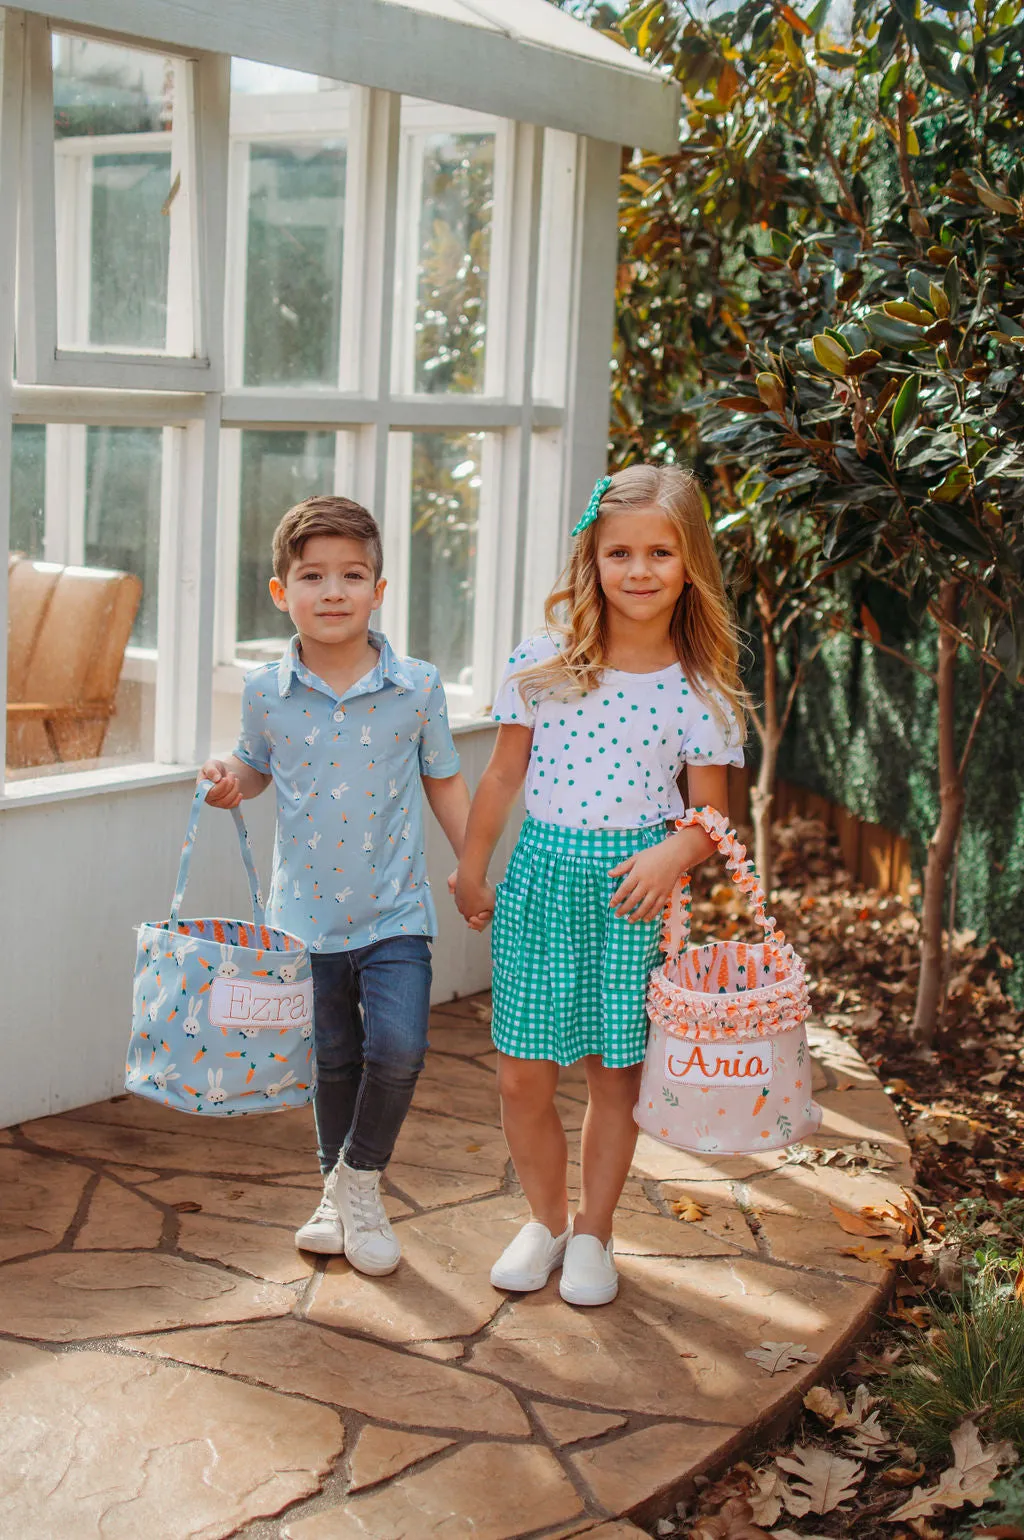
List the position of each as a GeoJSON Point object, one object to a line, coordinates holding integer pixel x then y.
{"type": "Point", "coordinates": [325, 515]}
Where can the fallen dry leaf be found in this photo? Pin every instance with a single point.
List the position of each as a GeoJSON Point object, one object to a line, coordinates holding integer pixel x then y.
{"type": "Point", "coordinates": [768, 1495]}
{"type": "Point", "coordinates": [882, 1255]}
{"type": "Point", "coordinates": [826, 1403]}
{"type": "Point", "coordinates": [774, 1357]}
{"type": "Point", "coordinates": [858, 1224]}
{"type": "Point", "coordinates": [968, 1480]}
{"type": "Point", "coordinates": [925, 1530]}
{"type": "Point", "coordinates": [791, 1534]}
{"type": "Point", "coordinates": [902, 1475]}
{"type": "Point", "coordinates": [734, 1521]}
{"type": "Point", "coordinates": [187, 1206]}
{"type": "Point", "coordinates": [917, 1315]}
{"type": "Point", "coordinates": [867, 1438]}
{"type": "Point", "coordinates": [873, 1364]}
{"type": "Point", "coordinates": [471, 1149]}
{"type": "Point", "coordinates": [865, 1153]}
{"type": "Point", "coordinates": [824, 1480]}
{"type": "Point", "coordinates": [687, 1209]}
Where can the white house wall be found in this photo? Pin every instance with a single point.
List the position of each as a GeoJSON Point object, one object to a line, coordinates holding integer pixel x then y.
{"type": "Point", "coordinates": [78, 874]}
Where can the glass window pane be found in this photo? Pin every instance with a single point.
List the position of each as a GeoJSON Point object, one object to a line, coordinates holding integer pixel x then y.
{"type": "Point", "coordinates": [122, 511]}
{"type": "Point", "coordinates": [113, 199]}
{"type": "Point", "coordinates": [278, 471]}
{"type": "Point", "coordinates": [82, 631]}
{"type": "Point", "coordinates": [28, 489]}
{"type": "Point", "coordinates": [251, 78]}
{"type": "Point", "coordinates": [130, 248]}
{"type": "Point", "coordinates": [453, 259]}
{"type": "Point", "coordinates": [296, 226]}
{"type": "Point", "coordinates": [442, 560]}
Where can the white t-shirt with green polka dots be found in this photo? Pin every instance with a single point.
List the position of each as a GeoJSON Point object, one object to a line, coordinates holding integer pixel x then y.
{"type": "Point", "coordinates": [608, 759]}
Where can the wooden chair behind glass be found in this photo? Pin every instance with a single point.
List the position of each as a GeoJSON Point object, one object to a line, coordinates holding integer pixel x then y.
{"type": "Point", "coordinates": [68, 628]}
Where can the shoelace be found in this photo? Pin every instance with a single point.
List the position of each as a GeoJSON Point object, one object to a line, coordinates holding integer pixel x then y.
{"type": "Point", "coordinates": [365, 1200]}
{"type": "Point", "coordinates": [325, 1210]}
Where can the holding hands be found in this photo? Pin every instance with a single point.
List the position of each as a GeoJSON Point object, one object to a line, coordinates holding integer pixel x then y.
{"type": "Point", "coordinates": [473, 899]}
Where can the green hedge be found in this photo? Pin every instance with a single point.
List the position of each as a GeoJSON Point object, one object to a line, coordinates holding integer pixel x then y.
{"type": "Point", "coordinates": [864, 734]}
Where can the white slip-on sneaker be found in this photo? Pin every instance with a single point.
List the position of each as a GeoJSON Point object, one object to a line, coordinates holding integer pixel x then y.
{"type": "Point", "coordinates": [528, 1261]}
{"type": "Point", "coordinates": [322, 1231]}
{"type": "Point", "coordinates": [370, 1242]}
{"type": "Point", "coordinates": [588, 1272]}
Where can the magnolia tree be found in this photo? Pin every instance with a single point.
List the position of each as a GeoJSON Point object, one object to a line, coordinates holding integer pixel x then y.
{"type": "Point", "coordinates": [823, 293]}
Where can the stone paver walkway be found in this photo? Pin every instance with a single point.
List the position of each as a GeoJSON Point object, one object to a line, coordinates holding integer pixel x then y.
{"type": "Point", "coordinates": [171, 1367]}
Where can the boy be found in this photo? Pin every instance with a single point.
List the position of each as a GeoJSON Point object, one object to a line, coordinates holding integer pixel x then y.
{"type": "Point", "coordinates": [346, 730]}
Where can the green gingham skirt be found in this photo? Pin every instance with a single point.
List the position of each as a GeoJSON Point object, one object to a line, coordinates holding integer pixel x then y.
{"type": "Point", "coordinates": [570, 977]}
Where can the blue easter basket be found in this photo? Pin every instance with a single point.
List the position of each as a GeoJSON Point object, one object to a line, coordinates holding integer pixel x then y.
{"type": "Point", "coordinates": [222, 1011]}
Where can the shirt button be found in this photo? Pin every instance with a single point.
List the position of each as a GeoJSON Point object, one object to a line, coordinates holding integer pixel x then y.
{"type": "Point", "coordinates": [339, 716]}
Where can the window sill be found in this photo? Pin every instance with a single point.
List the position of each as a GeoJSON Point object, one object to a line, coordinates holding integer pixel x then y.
{"type": "Point", "coordinates": [36, 791]}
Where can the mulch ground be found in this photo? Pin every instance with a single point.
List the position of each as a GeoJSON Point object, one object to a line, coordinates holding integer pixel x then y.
{"type": "Point", "coordinates": [962, 1103]}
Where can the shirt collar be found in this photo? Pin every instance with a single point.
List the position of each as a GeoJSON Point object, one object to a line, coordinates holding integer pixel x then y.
{"type": "Point", "coordinates": [387, 670]}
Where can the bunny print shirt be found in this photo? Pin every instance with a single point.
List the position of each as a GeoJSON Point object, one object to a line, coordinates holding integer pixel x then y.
{"type": "Point", "coordinates": [349, 863]}
{"type": "Point", "coordinates": [609, 758]}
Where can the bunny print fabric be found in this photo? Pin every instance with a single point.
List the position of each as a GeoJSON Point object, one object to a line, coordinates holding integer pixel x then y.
{"type": "Point", "coordinates": [222, 1018]}
{"type": "Point", "coordinates": [349, 862]}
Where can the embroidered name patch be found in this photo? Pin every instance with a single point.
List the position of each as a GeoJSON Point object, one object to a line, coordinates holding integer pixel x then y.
{"type": "Point", "coordinates": [240, 1003]}
{"type": "Point", "coordinates": [711, 1064]}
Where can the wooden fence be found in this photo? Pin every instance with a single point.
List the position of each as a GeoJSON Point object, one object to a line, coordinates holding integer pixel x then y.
{"type": "Point", "coordinates": [872, 854]}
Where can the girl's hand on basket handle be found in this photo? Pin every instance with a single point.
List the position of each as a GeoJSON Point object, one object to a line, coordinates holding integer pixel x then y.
{"type": "Point", "coordinates": [649, 877]}
{"type": "Point", "coordinates": [225, 791]}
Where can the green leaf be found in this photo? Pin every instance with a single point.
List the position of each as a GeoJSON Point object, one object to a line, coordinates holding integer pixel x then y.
{"type": "Point", "coordinates": [953, 531]}
{"type": "Point", "coordinates": [905, 407]}
{"type": "Point", "coordinates": [898, 334]}
{"type": "Point", "coordinates": [951, 284]}
{"type": "Point", "coordinates": [952, 486]}
{"type": "Point", "coordinates": [771, 391]}
{"type": "Point", "coordinates": [729, 519]}
{"type": "Point", "coordinates": [836, 336]}
{"type": "Point", "coordinates": [830, 354]}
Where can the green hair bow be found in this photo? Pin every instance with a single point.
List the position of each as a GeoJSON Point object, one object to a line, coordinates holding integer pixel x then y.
{"type": "Point", "coordinates": [594, 505]}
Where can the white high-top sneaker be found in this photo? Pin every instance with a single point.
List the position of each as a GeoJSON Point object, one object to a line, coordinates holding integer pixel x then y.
{"type": "Point", "coordinates": [322, 1231]}
{"type": "Point", "coordinates": [370, 1243]}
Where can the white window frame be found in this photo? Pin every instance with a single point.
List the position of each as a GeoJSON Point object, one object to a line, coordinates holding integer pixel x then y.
{"type": "Point", "coordinates": [192, 359]}
{"type": "Point", "coordinates": [542, 411]}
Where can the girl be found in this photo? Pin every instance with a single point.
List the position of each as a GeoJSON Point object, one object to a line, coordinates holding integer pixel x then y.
{"type": "Point", "coordinates": [636, 677]}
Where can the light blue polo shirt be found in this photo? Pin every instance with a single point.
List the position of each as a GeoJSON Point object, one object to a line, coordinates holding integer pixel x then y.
{"type": "Point", "coordinates": [349, 863]}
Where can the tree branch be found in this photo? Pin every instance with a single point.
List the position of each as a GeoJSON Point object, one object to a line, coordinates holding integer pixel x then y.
{"type": "Point", "coordinates": [979, 711]}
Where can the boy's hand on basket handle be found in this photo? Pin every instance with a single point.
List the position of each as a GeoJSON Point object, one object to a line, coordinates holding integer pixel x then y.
{"type": "Point", "coordinates": [226, 791]}
{"type": "Point", "coordinates": [649, 877]}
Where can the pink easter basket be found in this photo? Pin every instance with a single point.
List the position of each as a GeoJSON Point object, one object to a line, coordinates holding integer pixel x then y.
{"type": "Point", "coordinates": [727, 1068]}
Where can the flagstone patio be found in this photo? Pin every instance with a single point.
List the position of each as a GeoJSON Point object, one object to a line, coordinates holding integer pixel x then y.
{"type": "Point", "coordinates": [171, 1367]}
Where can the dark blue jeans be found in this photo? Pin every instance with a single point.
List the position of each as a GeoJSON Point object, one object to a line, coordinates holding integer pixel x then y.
{"type": "Point", "coordinates": [370, 1014]}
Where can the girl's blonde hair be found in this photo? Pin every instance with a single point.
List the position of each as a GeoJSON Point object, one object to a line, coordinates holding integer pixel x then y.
{"type": "Point", "coordinates": [702, 628]}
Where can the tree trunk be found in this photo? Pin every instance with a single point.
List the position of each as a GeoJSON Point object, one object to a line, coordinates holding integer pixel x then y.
{"type": "Point", "coordinates": [762, 796]}
{"type": "Point", "coordinates": [942, 844]}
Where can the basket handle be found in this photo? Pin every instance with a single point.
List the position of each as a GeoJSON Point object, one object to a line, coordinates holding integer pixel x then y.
{"type": "Point", "coordinates": [186, 857]}
{"type": "Point", "coordinates": [675, 934]}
